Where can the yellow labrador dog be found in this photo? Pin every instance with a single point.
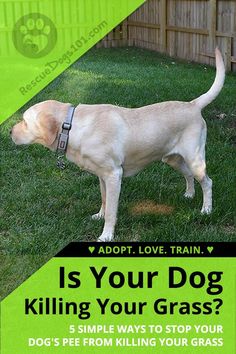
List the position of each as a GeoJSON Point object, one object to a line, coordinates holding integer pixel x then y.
{"type": "Point", "coordinates": [112, 142]}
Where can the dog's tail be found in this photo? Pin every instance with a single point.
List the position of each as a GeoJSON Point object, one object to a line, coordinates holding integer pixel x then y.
{"type": "Point", "coordinates": [215, 89]}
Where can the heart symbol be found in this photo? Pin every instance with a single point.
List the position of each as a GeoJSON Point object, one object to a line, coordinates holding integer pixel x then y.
{"type": "Point", "coordinates": [91, 249]}
{"type": "Point", "coordinates": [210, 249]}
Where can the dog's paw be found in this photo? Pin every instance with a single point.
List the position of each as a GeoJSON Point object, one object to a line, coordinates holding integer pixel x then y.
{"type": "Point", "coordinates": [189, 194]}
{"type": "Point", "coordinates": [98, 216]}
{"type": "Point", "coordinates": [105, 238]}
{"type": "Point", "coordinates": [206, 210]}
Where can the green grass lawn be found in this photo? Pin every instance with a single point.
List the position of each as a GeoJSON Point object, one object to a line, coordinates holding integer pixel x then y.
{"type": "Point", "coordinates": [43, 209]}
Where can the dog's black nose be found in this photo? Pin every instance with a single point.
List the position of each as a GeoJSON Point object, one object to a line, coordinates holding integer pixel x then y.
{"type": "Point", "coordinates": [10, 131]}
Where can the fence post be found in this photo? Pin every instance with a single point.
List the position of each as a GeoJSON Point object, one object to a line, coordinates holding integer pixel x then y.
{"type": "Point", "coordinates": [163, 23]}
{"type": "Point", "coordinates": [212, 29]}
{"type": "Point", "coordinates": [125, 32]}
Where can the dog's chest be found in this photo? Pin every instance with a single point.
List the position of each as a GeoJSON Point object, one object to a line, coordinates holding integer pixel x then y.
{"type": "Point", "coordinates": [82, 161]}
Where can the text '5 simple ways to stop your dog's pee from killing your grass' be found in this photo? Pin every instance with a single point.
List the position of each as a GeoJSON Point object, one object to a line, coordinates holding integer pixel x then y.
{"type": "Point", "coordinates": [116, 296]}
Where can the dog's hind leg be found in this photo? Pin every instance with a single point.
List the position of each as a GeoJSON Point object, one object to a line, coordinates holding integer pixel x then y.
{"type": "Point", "coordinates": [177, 162]}
{"type": "Point", "coordinates": [198, 168]}
{"type": "Point", "coordinates": [195, 159]}
{"type": "Point", "coordinates": [101, 213]}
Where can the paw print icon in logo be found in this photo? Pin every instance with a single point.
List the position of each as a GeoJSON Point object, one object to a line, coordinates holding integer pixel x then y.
{"type": "Point", "coordinates": [34, 35]}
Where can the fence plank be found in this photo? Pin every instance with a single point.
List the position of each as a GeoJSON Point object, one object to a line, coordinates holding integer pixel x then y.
{"type": "Point", "coordinates": [163, 20]}
{"type": "Point", "coordinates": [212, 28]}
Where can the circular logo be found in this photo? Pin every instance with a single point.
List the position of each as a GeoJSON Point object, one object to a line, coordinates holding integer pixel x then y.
{"type": "Point", "coordinates": [34, 35]}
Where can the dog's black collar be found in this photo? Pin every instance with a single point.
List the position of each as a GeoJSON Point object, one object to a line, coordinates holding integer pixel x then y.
{"type": "Point", "coordinates": [64, 137]}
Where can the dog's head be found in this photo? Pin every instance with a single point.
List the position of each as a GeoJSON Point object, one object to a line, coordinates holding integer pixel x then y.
{"type": "Point", "coordinates": [40, 124]}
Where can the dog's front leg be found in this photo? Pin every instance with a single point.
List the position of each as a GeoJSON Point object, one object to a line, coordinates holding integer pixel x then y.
{"type": "Point", "coordinates": [113, 185]}
{"type": "Point", "coordinates": [101, 213]}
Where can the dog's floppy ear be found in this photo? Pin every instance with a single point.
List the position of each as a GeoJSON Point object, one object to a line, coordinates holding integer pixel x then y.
{"type": "Point", "coordinates": [48, 127]}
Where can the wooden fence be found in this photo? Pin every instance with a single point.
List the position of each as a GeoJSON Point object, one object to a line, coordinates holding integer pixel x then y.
{"type": "Point", "coordinates": [70, 24]}
{"type": "Point", "coordinates": [188, 29]}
